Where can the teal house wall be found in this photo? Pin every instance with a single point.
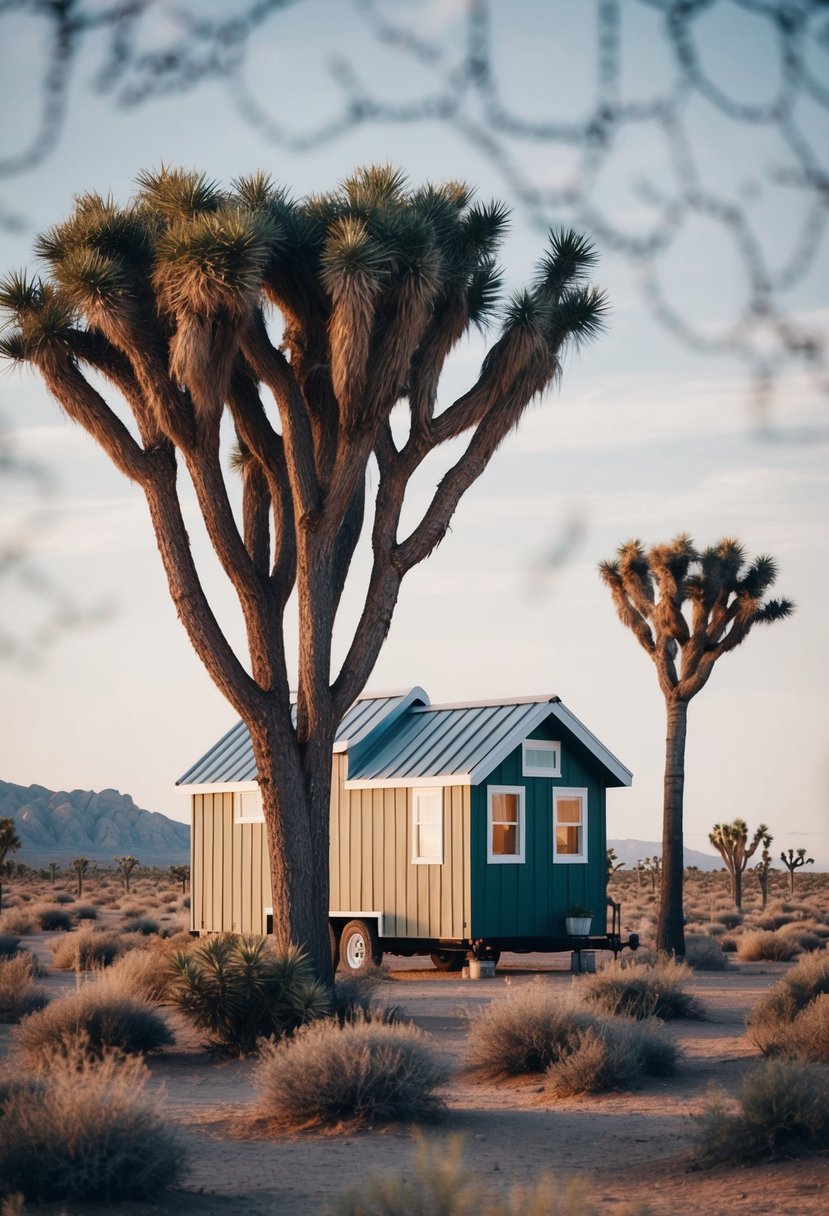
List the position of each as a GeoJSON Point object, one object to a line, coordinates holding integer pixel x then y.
{"type": "Point", "coordinates": [531, 898]}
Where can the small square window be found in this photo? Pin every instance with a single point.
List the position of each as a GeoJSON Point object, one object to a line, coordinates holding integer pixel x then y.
{"type": "Point", "coordinates": [247, 807]}
{"type": "Point", "coordinates": [427, 827]}
{"type": "Point", "coordinates": [541, 758]}
{"type": "Point", "coordinates": [505, 841]}
{"type": "Point", "coordinates": [569, 825]}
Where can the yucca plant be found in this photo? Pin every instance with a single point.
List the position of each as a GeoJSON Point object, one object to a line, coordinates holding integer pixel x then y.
{"type": "Point", "coordinates": [161, 305]}
{"type": "Point", "coordinates": [239, 990]}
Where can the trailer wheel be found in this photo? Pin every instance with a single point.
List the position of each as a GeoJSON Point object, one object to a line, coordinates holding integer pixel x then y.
{"type": "Point", "coordinates": [448, 960]}
{"type": "Point", "coordinates": [359, 948]}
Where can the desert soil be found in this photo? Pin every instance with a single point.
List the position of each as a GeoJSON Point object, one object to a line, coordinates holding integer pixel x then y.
{"type": "Point", "coordinates": [627, 1146]}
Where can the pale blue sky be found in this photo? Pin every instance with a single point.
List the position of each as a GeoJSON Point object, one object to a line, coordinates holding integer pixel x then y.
{"type": "Point", "coordinates": [642, 439]}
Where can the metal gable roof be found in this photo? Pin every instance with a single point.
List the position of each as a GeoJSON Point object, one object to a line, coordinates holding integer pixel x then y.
{"type": "Point", "coordinates": [230, 761]}
{"type": "Point", "coordinates": [462, 744]}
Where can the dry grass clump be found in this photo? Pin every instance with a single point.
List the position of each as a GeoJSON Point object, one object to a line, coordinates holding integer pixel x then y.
{"type": "Point", "coordinates": [138, 973]}
{"type": "Point", "coordinates": [52, 919]}
{"type": "Point", "coordinates": [359, 1073]}
{"type": "Point", "coordinates": [730, 920]}
{"type": "Point", "coordinates": [656, 990]}
{"type": "Point", "coordinates": [782, 1110]}
{"type": "Point", "coordinates": [9, 945]}
{"type": "Point", "coordinates": [145, 925]}
{"type": "Point", "coordinates": [62, 897]}
{"type": "Point", "coordinates": [704, 953]}
{"type": "Point", "coordinates": [85, 912]}
{"type": "Point", "coordinates": [766, 946]}
{"type": "Point", "coordinates": [19, 995]}
{"type": "Point", "coordinates": [535, 1030]}
{"type": "Point", "coordinates": [87, 1131]}
{"type": "Point", "coordinates": [87, 949]}
{"type": "Point", "coordinates": [441, 1183]}
{"type": "Point", "coordinates": [792, 1019]}
{"type": "Point", "coordinates": [103, 1019]}
{"type": "Point", "coordinates": [18, 922]}
{"type": "Point", "coordinates": [239, 990]}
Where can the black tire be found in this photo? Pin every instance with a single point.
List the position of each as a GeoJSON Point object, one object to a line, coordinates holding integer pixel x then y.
{"type": "Point", "coordinates": [334, 945]}
{"type": "Point", "coordinates": [359, 947]}
{"type": "Point", "coordinates": [448, 960]}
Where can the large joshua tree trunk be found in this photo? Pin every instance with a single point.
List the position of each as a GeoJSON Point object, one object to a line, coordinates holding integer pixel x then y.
{"type": "Point", "coordinates": [670, 932]}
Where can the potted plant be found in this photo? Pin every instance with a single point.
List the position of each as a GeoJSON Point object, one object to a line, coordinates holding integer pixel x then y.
{"type": "Point", "coordinates": [578, 922]}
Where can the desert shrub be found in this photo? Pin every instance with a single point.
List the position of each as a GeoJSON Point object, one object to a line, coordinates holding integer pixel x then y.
{"type": "Point", "coordinates": [360, 1073]}
{"type": "Point", "coordinates": [782, 1109]}
{"type": "Point", "coordinates": [9, 945]}
{"type": "Point", "coordinates": [657, 990]}
{"type": "Point", "coordinates": [730, 920]}
{"type": "Point", "coordinates": [85, 912]}
{"type": "Point", "coordinates": [763, 945]}
{"type": "Point", "coordinates": [19, 995]}
{"type": "Point", "coordinates": [89, 1131]}
{"type": "Point", "coordinates": [613, 1053]}
{"type": "Point", "coordinates": [443, 1184]}
{"type": "Point", "coordinates": [778, 1023]}
{"type": "Point", "coordinates": [804, 939]}
{"type": "Point", "coordinates": [104, 1019]}
{"type": "Point", "coordinates": [185, 901]}
{"type": "Point", "coordinates": [238, 990]}
{"type": "Point", "coordinates": [18, 921]}
{"type": "Point", "coordinates": [712, 929]}
{"type": "Point", "coordinates": [705, 954]}
{"type": "Point", "coordinates": [137, 973]}
{"type": "Point", "coordinates": [62, 897]}
{"type": "Point", "coordinates": [525, 1033]}
{"type": "Point", "coordinates": [53, 919]}
{"type": "Point", "coordinates": [145, 925]}
{"type": "Point", "coordinates": [354, 997]}
{"type": "Point", "coordinates": [86, 949]}
{"type": "Point", "coordinates": [729, 945]}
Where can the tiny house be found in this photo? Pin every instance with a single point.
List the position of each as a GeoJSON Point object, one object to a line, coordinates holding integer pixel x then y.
{"type": "Point", "coordinates": [476, 827]}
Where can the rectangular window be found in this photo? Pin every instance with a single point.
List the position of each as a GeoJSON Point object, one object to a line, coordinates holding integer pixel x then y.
{"type": "Point", "coordinates": [427, 827]}
{"type": "Point", "coordinates": [505, 842]}
{"type": "Point", "coordinates": [541, 758]}
{"type": "Point", "coordinates": [247, 807]}
{"type": "Point", "coordinates": [569, 825]}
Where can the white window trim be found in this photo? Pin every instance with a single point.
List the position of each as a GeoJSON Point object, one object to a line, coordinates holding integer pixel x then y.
{"type": "Point", "coordinates": [541, 745]}
{"type": "Point", "coordinates": [562, 791]}
{"type": "Point", "coordinates": [506, 858]}
{"type": "Point", "coordinates": [238, 817]}
{"type": "Point", "coordinates": [417, 795]}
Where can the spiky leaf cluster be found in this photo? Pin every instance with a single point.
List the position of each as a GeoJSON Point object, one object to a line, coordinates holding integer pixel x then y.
{"type": "Point", "coordinates": [688, 607]}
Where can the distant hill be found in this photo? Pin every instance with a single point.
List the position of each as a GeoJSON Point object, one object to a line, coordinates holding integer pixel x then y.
{"type": "Point", "coordinates": [59, 825]}
{"type": "Point", "coordinates": [631, 851]}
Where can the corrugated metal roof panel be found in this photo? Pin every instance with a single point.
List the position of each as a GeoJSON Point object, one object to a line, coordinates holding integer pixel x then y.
{"type": "Point", "coordinates": [231, 759]}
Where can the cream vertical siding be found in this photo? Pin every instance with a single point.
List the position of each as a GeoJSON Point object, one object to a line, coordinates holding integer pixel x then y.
{"type": "Point", "coordinates": [371, 865]}
{"type": "Point", "coordinates": [370, 857]}
{"type": "Point", "coordinates": [231, 884]}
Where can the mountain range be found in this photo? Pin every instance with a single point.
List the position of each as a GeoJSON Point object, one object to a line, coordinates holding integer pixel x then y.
{"type": "Point", "coordinates": [631, 851]}
{"type": "Point", "coordinates": [59, 825]}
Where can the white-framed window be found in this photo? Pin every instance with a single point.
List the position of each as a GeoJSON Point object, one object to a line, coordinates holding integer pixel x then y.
{"type": "Point", "coordinates": [569, 824]}
{"type": "Point", "coordinates": [505, 829]}
{"type": "Point", "coordinates": [247, 807]}
{"type": "Point", "coordinates": [541, 758]}
{"type": "Point", "coordinates": [427, 827]}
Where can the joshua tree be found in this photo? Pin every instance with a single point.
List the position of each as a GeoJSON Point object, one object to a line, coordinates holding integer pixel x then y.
{"type": "Point", "coordinates": [793, 861]}
{"type": "Point", "coordinates": [763, 869]}
{"type": "Point", "coordinates": [163, 303]}
{"type": "Point", "coordinates": [612, 863]}
{"type": "Point", "coordinates": [182, 873]}
{"type": "Point", "coordinates": [80, 865]}
{"type": "Point", "coordinates": [53, 868]}
{"type": "Point", "coordinates": [126, 865]}
{"type": "Point", "coordinates": [724, 595]}
{"type": "Point", "coordinates": [652, 866]}
{"type": "Point", "coordinates": [9, 843]}
{"type": "Point", "coordinates": [731, 842]}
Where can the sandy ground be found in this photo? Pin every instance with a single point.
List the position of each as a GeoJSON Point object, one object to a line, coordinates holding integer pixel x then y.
{"type": "Point", "coordinates": [627, 1146]}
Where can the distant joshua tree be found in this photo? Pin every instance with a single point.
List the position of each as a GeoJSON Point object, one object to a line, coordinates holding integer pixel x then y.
{"type": "Point", "coordinates": [686, 608]}
{"type": "Point", "coordinates": [793, 861]}
{"type": "Point", "coordinates": [53, 868]}
{"type": "Point", "coordinates": [9, 843]}
{"type": "Point", "coordinates": [182, 873]}
{"type": "Point", "coordinates": [126, 865]}
{"type": "Point", "coordinates": [613, 863]}
{"type": "Point", "coordinates": [652, 866]}
{"type": "Point", "coordinates": [731, 842]}
{"type": "Point", "coordinates": [763, 869]}
{"type": "Point", "coordinates": [80, 865]}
